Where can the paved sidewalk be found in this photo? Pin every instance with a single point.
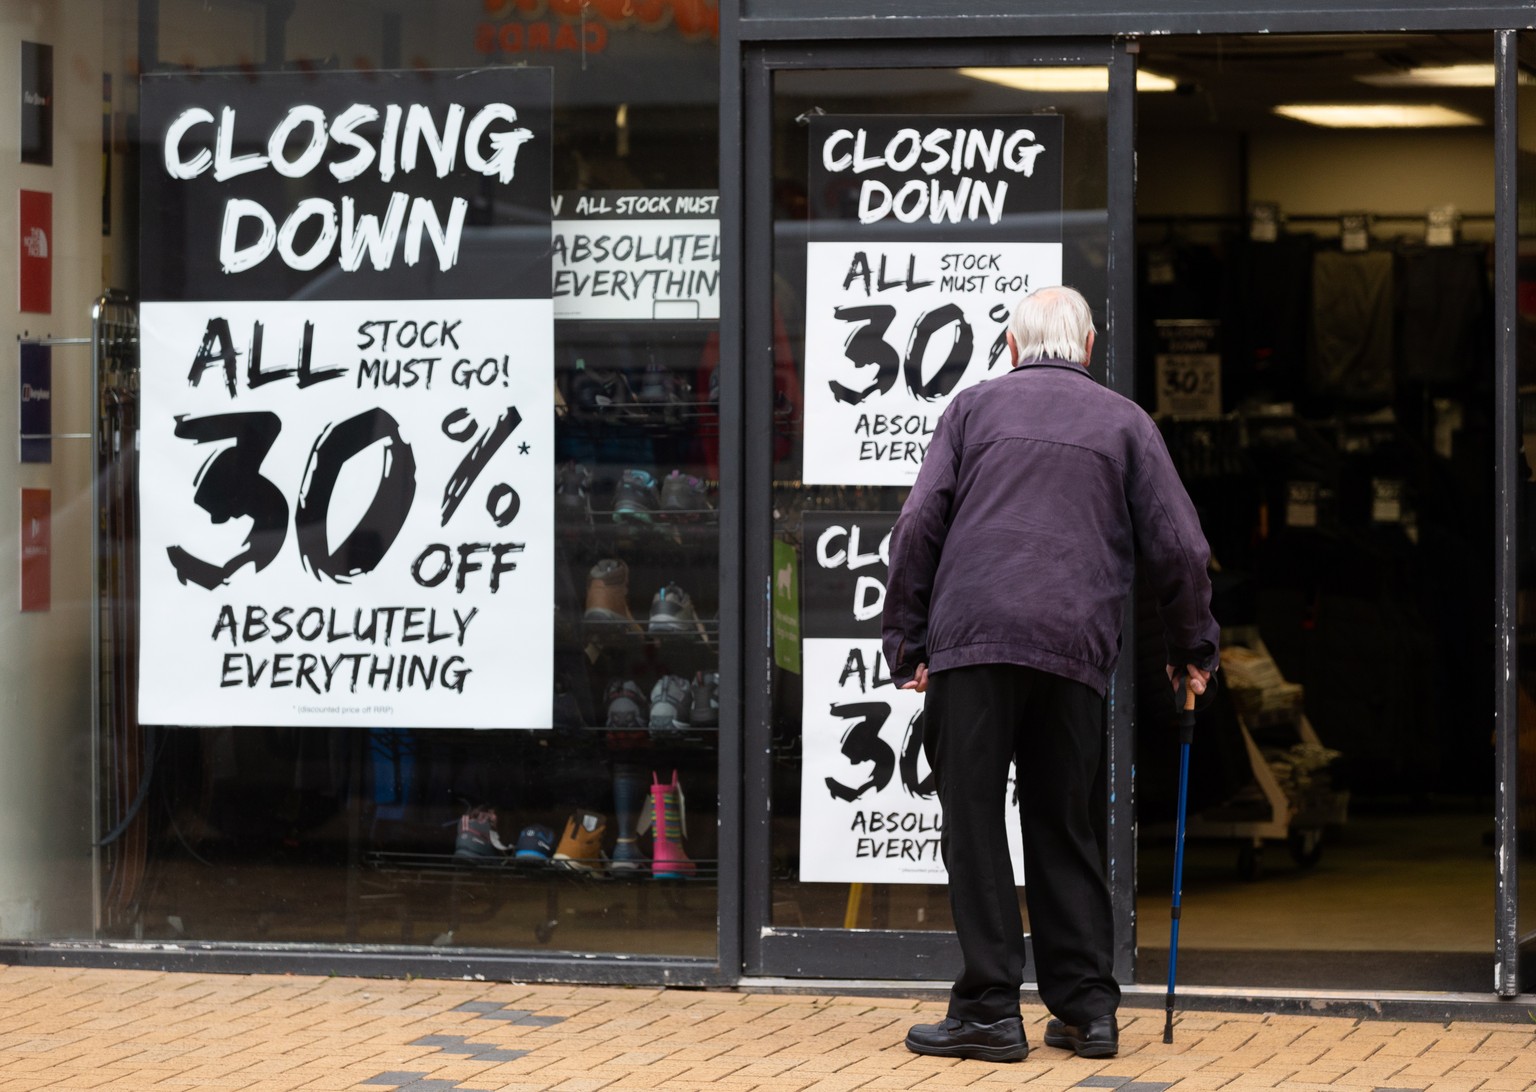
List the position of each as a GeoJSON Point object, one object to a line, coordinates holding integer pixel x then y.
{"type": "Point", "coordinates": [79, 1029]}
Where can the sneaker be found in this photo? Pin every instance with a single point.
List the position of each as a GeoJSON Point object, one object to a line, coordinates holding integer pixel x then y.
{"type": "Point", "coordinates": [608, 592]}
{"type": "Point", "coordinates": [671, 702]}
{"type": "Point", "coordinates": [581, 846]}
{"type": "Point", "coordinates": [593, 389]}
{"type": "Point", "coordinates": [477, 835]}
{"type": "Point", "coordinates": [573, 484]}
{"type": "Point", "coordinates": [635, 497]}
{"type": "Point", "coordinates": [627, 706]}
{"type": "Point", "coordinates": [684, 493]}
{"type": "Point", "coordinates": [706, 699]}
{"type": "Point", "coordinates": [659, 386]}
{"type": "Point", "coordinates": [672, 612]}
{"type": "Point", "coordinates": [535, 843]}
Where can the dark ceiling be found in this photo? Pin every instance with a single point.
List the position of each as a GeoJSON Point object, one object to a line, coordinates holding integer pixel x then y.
{"type": "Point", "coordinates": [1234, 82]}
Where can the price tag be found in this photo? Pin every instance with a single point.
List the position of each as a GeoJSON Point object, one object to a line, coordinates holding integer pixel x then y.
{"type": "Point", "coordinates": [1301, 504]}
{"type": "Point", "coordinates": [1354, 232]}
{"type": "Point", "coordinates": [1386, 500]}
{"type": "Point", "coordinates": [1264, 223]}
{"type": "Point", "coordinates": [1442, 226]}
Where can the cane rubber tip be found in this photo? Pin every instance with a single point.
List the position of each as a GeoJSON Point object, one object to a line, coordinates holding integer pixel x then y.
{"type": "Point", "coordinates": [1167, 1035]}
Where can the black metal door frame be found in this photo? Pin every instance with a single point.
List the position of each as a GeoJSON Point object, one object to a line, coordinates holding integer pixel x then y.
{"type": "Point", "coordinates": [892, 954]}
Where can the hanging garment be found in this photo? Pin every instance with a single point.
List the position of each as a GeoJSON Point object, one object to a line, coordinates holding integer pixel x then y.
{"type": "Point", "coordinates": [1350, 350]}
{"type": "Point", "coordinates": [1274, 306]}
{"type": "Point", "coordinates": [1445, 307]}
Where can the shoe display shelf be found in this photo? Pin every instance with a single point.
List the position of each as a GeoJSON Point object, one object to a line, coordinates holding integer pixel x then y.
{"type": "Point", "coordinates": [480, 890]}
{"type": "Point", "coordinates": [1291, 799]}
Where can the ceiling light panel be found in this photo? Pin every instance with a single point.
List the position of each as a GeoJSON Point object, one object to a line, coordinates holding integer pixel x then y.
{"type": "Point", "coordinates": [1383, 115]}
{"type": "Point", "coordinates": [1064, 80]}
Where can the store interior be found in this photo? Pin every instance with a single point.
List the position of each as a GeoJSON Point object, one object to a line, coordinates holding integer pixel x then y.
{"type": "Point", "coordinates": [1315, 332]}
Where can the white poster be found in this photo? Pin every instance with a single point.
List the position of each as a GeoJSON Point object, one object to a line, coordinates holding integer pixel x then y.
{"type": "Point", "coordinates": [637, 255]}
{"type": "Point", "coordinates": [892, 332]}
{"type": "Point", "coordinates": [346, 412]}
{"type": "Point", "coordinates": [869, 812]}
{"type": "Point", "coordinates": [350, 520]}
{"type": "Point", "coordinates": [869, 808]}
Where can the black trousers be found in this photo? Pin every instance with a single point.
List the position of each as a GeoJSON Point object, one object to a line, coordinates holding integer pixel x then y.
{"type": "Point", "coordinates": [976, 719]}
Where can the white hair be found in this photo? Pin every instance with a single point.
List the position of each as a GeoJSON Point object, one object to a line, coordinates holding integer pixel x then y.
{"type": "Point", "coordinates": [1052, 323]}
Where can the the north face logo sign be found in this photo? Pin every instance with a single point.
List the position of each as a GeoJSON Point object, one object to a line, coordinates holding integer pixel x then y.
{"type": "Point", "coordinates": [36, 243]}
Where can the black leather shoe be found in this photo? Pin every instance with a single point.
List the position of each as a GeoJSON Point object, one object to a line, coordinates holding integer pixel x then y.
{"type": "Point", "coordinates": [1002, 1041]}
{"type": "Point", "coordinates": [1096, 1039]}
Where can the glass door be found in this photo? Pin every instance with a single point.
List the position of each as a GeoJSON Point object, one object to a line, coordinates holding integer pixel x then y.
{"type": "Point", "coordinates": [899, 202]}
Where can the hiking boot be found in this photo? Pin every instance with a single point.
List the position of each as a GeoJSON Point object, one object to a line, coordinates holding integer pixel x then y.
{"type": "Point", "coordinates": [666, 817]}
{"type": "Point", "coordinates": [581, 846]}
{"type": "Point", "coordinates": [608, 593]}
{"type": "Point", "coordinates": [535, 843]}
{"type": "Point", "coordinates": [477, 835]}
{"type": "Point", "coordinates": [684, 493]}
{"type": "Point", "coordinates": [635, 497]}
{"type": "Point", "coordinates": [671, 702]}
{"type": "Point", "coordinates": [627, 706]}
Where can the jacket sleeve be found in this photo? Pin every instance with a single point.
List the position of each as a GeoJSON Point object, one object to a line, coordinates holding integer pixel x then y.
{"type": "Point", "coordinates": [916, 543]}
{"type": "Point", "coordinates": [1173, 552]}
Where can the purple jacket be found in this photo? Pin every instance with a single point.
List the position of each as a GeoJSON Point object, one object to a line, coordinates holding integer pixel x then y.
{"type": "Point", "coordinates": [1017, 545]}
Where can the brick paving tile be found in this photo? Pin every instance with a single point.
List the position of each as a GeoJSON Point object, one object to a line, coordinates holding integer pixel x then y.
{"type": "Point", "coordinates": [1426, 1067]}
{"type": "Point", "coordinates": [1463, 1040]}
{"type": "Point", "coordinates": [1453, 1084]}
{"type": "Point", "coordinates": [1500, 1082]}
{"type": "Point", "coordinates": [1379, 1074]}
{"type": "Point", "coordinates": [1354, 1049]}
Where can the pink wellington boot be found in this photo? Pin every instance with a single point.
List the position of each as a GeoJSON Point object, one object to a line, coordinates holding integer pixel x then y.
{"type": "Point", "coordinates": [667, 814]}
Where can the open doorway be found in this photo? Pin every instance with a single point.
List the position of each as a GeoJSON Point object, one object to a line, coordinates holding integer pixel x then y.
{"type": "Point", "coordinates": [1315, 334]}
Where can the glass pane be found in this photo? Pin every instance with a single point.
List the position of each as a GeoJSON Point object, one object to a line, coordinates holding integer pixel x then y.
{"type": "Point", "coordinates": [912, 210]}
{"type": "Point", "coordinates": [599, 764]}
{"type": "Point", "coordinates": [1315, 321]}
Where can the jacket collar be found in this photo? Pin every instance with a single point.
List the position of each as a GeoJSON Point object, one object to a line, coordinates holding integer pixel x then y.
{"type": "Point", "coordinates": [1050, 362]}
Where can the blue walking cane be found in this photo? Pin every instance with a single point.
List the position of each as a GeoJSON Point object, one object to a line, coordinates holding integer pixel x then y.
{"type": "Point", "coordinates": [1186, 737]}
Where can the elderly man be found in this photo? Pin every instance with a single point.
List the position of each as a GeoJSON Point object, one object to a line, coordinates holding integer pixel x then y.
{"type": "Point", "coordinates": [1010, 567]}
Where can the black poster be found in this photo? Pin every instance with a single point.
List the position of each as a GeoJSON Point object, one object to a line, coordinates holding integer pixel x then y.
{"type": "Point", "coordinates": [400, 185]}
{"type": "Point", "coordinates": [903, 178]}
{"type": "Point", "coordinates": [37, 103]}
{"type": "Point", "coordinates": [36, 404]}
{"type": "Point", "coordinates": [843, 572]}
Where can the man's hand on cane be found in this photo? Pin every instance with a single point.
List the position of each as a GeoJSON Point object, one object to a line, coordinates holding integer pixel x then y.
{"type": "Point", "coordinates": [919, 680]}
{"type": "Point", "coordinates": [1198, 679]}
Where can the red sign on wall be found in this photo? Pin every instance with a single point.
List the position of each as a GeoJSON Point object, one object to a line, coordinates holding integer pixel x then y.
{"type": "Point", "coordinates": [36, 233]}
{"type": "Point", "coordinates": [36, 549]}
